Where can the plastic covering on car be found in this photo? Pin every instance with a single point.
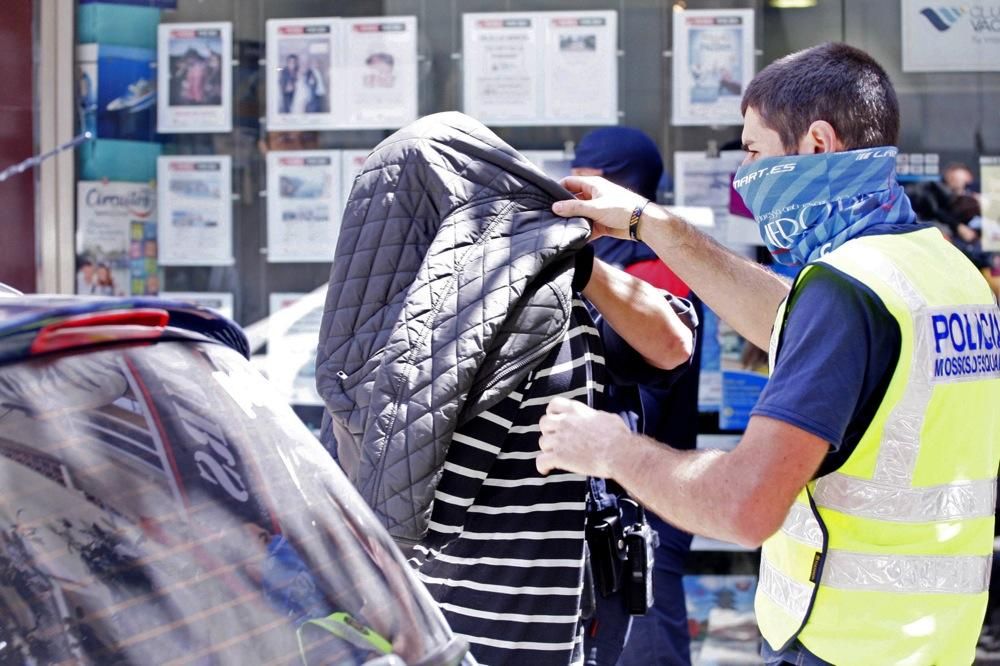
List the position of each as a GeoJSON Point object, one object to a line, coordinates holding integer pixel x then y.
{"type": "Point", "coordinates": [161, 505]}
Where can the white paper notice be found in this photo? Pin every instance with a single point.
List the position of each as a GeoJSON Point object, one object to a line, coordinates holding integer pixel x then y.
{"type": "Point", "coordinates": [380, 70]}
{"type": "Point", "coordinates": [713, 61]}
{"type": "Point", "coordinates": [581, 69]}
{"type": "Point", "coordinates": [541, 68]}
{"type": "Point", "coordinates": [219, 301]}
{"type": "Point", "coordinates": [195, 201]}
{"type": "Point", "coordinates": [194, 78]}
{"type": "Point", "coordinates": [299, 74]}
{"type": "Point", "coordinates": [501, 65]}
{"type": "Point", "coordinates": [303, 205]}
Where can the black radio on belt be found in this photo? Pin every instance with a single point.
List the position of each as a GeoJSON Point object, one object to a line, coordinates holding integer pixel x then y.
{"type": "Point", "coordinates": [640, 543]}
{"type": "Point", "coordinates": [621, 557]}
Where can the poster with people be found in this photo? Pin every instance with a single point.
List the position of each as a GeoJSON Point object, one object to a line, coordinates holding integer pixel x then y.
{"type": "Point", "coordinates": [372, 63]}
{"type": "Point", "coordinates": [116, 239]}
{"type": "Point", "coordinates": [195, 203]}
{"type": "Point", "coordinates": [303, 205]}
{"type": "Point", "coordinates": [300, 60]}
{"type": "Point", "coordinates": [194, 75]}
{"type": "Point", "coordinates": [541, 68]}
{"type": "Point", "coordinates": [713, 61]}
{"type": "Point", "coordinates": [381, 71]}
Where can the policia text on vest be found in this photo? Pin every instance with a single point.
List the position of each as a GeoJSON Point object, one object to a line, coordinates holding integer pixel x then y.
{"type": "Point", "coordinates": [966, 342]}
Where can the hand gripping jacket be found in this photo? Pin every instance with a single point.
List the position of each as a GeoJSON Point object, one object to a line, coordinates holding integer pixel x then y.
{"type": "Point", "coordinates": [450, 282]}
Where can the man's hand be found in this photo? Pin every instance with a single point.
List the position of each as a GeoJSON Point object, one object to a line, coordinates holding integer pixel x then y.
{"type": "Point", "coordinates": [607, 205]}
{"type": "Point", "coordinates": [576, 438]}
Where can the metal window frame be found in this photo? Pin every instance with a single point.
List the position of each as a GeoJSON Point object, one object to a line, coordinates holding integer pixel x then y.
{"type": "Point", "coordinates": [56, 178]}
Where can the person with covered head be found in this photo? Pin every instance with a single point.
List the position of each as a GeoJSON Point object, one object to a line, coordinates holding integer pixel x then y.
{"type": "Point", "coordinates": [628, 157]}
{"type": "Point", "coordinates": [457, 309]}
{"type": "Point", "coordinates": [868, 469]}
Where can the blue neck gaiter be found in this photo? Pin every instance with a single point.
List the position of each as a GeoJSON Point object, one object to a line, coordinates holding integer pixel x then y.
{"type": "Point", "coordinates": [809, 205]}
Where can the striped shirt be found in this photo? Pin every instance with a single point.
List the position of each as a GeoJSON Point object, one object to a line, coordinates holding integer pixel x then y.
{"type": "Point", "coordinates": [504, 554]}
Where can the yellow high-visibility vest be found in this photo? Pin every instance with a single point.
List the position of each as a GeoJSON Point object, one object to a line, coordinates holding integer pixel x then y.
{"type": "Point", "coordinates": [887, 560]}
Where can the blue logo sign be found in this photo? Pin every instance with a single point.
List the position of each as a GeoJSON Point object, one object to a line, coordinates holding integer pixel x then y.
{"type": "Point", "coordinates": [942, 18]}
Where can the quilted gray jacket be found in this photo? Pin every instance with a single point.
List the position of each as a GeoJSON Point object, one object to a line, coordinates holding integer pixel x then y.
{"type": "Point", "coordinates": [450, 281]}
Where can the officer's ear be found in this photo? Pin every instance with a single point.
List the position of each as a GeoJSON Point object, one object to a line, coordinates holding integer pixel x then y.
{"type": "Point", "coordinates": [820, 138]}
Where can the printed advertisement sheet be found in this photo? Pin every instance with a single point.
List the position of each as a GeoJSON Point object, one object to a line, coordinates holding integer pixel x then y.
{"type": "Point", "coordinates": [300, 55]}
{"type": "Point", "coordinates": [116, 239]}
{"type": "Point", "coordinates": [371, 62]}
{"type": "Point", "coordinates": [581, 69]}
{"type": "Point", "coordinates": [501, 64]}
{"type": "Point", "coordinates": [195, 203]}
{"type": "Point", "coordinates": [541, 68]}
{"type": "Point", "coordinates": [713, 61]}
{"type": "Point", "coordinates": [303, 205]}
{"type": "Point", "coordinates": [117, 91]}
{"type": "Point", "coordinates": [194, 77]}
{"type": "Point", "coordinates": [380, 67]}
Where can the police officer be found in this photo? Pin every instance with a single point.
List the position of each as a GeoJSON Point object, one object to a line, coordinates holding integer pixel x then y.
{"type": "Point", "coordinates": [868, 468]}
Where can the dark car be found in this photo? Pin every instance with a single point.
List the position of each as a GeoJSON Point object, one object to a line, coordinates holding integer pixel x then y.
{"type": "Point", "coordinates": [161, 505]}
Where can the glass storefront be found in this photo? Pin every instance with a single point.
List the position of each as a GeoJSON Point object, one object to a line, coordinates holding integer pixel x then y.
{"type": "Point", "coordinates": [228, 132]}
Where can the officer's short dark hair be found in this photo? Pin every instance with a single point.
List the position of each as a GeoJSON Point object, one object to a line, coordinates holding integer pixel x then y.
{"type": "Point", "coordinates": [833, 82]}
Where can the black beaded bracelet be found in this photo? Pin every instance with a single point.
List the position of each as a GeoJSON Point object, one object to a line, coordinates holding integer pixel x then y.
{"type": "Point", "coordinates": [633, 222]}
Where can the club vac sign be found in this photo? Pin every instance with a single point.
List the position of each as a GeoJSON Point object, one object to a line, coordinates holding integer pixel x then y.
{"type": "Point", "coordinates": [981, 18]}
{"type": "Point", "coordinates": [951, 37]}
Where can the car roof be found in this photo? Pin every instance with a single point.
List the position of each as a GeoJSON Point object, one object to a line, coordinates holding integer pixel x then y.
{"type": "Point", "coordinates": [22, 317]}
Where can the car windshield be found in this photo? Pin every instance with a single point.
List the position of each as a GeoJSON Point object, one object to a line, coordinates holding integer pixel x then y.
{"type": "Point", "coordinates": [162, 505]}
